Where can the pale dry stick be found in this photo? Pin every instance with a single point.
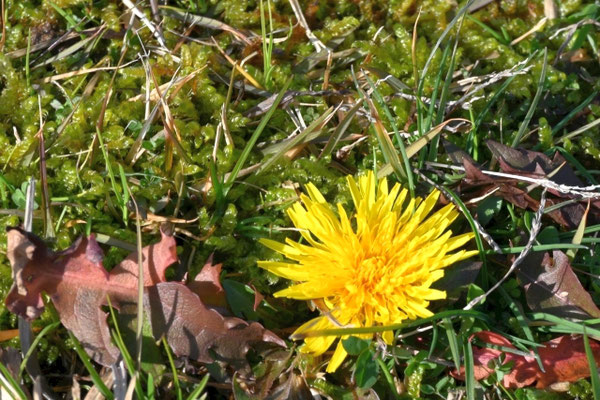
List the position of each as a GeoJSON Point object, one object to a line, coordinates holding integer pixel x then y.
{"type": "Point", "coordinates": [234, 64]}
{"type": "Point", "coordinates": [156, 16]}
{"type": "Point", "coordinates": [327, 70]}
{"type": "Point", "coordinates": [295, 121]}
{"type": "Point", "coordinates": [579, 131]}
{"type": "Point", "coordinates": [16, 134]}
{"type": "Point", "coordinates": [585, 192]}
{"type": "Point", "coordinates": [317, 44]}
{"type": "Point", "coordinates": [177, 85]}
{"type": "Point", "coordinates": [486, 236]}
{"type": "Point", "coordinates": [449, 104]}
{"type": "Point", "coordinates": [189, 38]}
{"type": "Point", "coordinates": [481, 198]}
{"type": "Point", "coordinates": [248, 58]}
{"type": "Point", "coordinates": [550, 9]}
{"type": "Point", "coordinates": [574, 27]}
{"type": "Point", "coordinates": [63, 91]}
{"type": "Point", "coordinates": [517, 69]}
{"type": "Point", "coordinates": [108, 377]}
{"type": "Point", "coordinates": [218, 135]}
{"type": "Point", "coordinates": [157, 34]}
{"type": "Point", "coordinates": [299, 116]}
{"type": "Point", "coordinates": [381, 28]}
{"type": "Point", "coordinates": [83, 71]}
{"type": "Point", "coordinates": [530, 32]}
{"type": "Point", "coordinates": [343, 151]}
{"type": "Point", "coordinates": [536, 226]}
{"type": "Point", "coordinates": [120, 376]}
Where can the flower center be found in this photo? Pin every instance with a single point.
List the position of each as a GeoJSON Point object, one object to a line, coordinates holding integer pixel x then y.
{"type": "Point", "coordinates": [371, 272]}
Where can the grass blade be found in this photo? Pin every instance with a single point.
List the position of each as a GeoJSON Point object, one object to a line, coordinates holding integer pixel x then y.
{"type": "Point", "coordinates": [85, 359]}
{"type": "Point", "coordinates": [199, 388]}
{"type": "Point", "coordinates": [578, 237]}
{"type": "Point", "coordinates": [522, 321]}
{"type": "Point", "coordinates": [10, 384]}
{"type": "Point", "coordinates": [469, 371]}
{"type": "Point", "coordinates": [534, 103]}
{"type": "Point", "coordinates": [340, 130]}
{"type": "Point", "coordinates": [47, 329]}
{"type": "Point", "coordinates": [255, 135]}
{"type": "Point", "coordinates": [286, 145]}
{"type": "Point", "coordinates": [594, 377]}
{"type": "Point", "coordinates": [478, 240]}
{"type": "Point", "coordinates": [452, 341]}
{"type": "Point", "coordinates": [574, 112]}
{"type": "Point", "coordinates": [399, 142]}
{"type": "Point", "coordinates": [173, 369]}
{"type": "Point", "coordinates": [386, 145]}
{"type": "Point", "coordinates": [392, 327]}
{"type": "Point", "coordinates": [416, 146]}
{"type": "Point", "coordinates": [500, 92]}
{"type": "Point", "coordinates": [204, 22]}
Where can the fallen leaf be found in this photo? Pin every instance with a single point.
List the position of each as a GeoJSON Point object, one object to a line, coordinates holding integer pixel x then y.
{"type": "Point", "coordinates": [79, 286]}
{"type": "Point", "coordinates": [207, 285]}
{"type": "Point", "coordinates": [551, 286]}
{"type": "Point", "coordinates": [195, 331]}
{"type": "Point", "coordinates": [526, 163]}
{"type": "Point", "coordinates": [563, 358]}
{"type": "Point", "coordinates": [535, 164]}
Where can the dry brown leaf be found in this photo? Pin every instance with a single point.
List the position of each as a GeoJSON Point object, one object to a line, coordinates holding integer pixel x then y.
{"type": "Point", "coordinates": [79, 286]}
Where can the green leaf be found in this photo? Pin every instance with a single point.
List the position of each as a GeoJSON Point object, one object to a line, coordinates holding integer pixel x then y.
{"type": "Point", "coordinates": [489, 207]}
{"type": "Point", "coordinates": [474, 292]}
{"type": "Point", "coordinates": [367, 370]}
{"type": "Point", "coordinates": [354, 345]}
{"type": "Point", "coordinates": [240, 298]}
{"type": "Point", "coordinates": [548, 235]}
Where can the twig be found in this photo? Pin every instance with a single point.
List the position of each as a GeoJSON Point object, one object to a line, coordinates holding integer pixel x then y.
{"type": "Point", "coordinates": [585, 192]}
{"type": "Point", "coordinates": [535, 230]}
{"type": "Point", "coordinates": [155, 31]}
{"type": "Point", "coordinates": [317, 44]}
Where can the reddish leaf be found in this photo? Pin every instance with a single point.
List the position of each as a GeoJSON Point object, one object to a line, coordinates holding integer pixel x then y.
{"type": "Point", "coordinates": [534, 164]}
{"type": "Point", "coordinates": [192, 329]}
{"type": "Point", "coordinates": [79, 286]}
{"type": "Point", "coordinates": [551, 286]}
{"type": "Point", "coordinates": [258, 298]}
{"type": "Point", "coordinates": [207, 285]}
{"type": "Point", "coordinates": [563, 358]}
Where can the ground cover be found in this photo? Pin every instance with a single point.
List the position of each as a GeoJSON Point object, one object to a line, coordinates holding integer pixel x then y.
{"type": "Point", "coordinates": [253, 149]}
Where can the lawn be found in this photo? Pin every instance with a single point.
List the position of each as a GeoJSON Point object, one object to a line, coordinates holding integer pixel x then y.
{"type": "Point", "coordinates": [289, 199]}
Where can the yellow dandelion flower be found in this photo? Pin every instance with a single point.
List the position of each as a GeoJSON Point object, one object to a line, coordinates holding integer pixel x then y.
{"type": "Point", "coordinates": [375, 271]}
